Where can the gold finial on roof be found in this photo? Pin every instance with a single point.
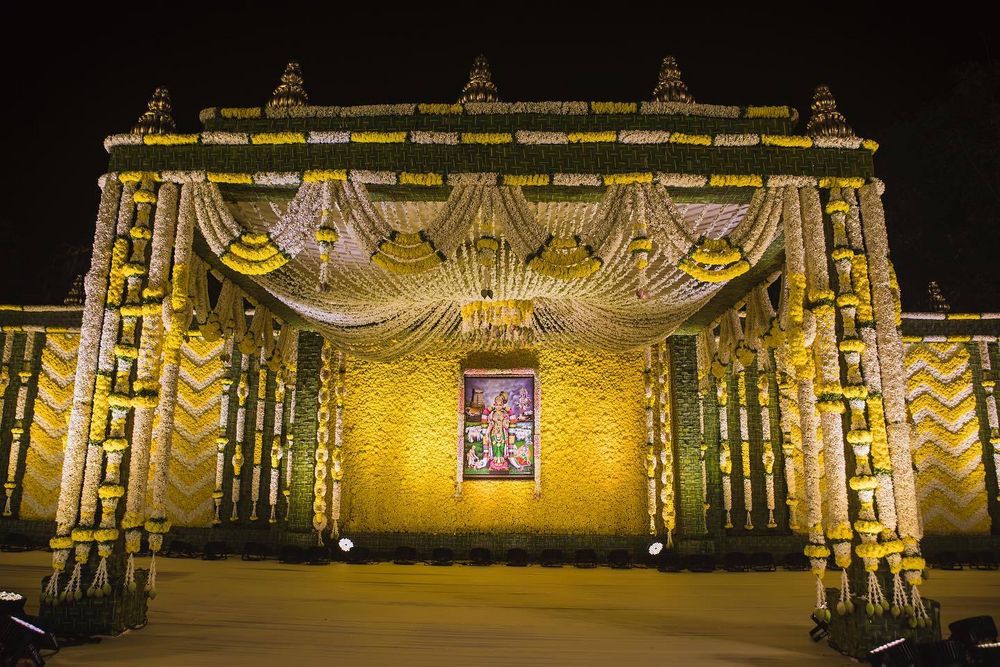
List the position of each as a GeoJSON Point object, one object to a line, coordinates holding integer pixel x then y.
{"type": "Point", "coordinates": [670, 88]}
{"type": "Point", "coordinates": [480, 87]}
{"type": "Point", "coordinates": [825, 120]}
{"type": "Point", "coordinates": [157, 118]}
{"type": "Point", "coordinates": [290, 92]}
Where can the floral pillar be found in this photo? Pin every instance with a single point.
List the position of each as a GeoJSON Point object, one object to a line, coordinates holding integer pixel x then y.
{"type": "Point", "coordinates": [890, 360]}
{"type": "Point", "coordinates": [800, 363]}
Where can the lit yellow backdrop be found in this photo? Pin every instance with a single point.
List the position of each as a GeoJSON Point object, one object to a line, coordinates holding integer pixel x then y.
{"type": "Point", "coordinates": [401, 435]}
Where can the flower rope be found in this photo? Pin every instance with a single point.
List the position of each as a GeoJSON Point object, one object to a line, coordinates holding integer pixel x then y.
{"type": "Point", "coordinates": [890, 358]}
{"type": "Point", "coordinates": [242, 393]}
{"type": "Point", "coordinates": [222, 438]}
{"type": "Point", "coordinates": [800, 362]}
{"type": "Point", "coordinates": [258, 435]}
{"type": "Point", "coordinates": [668, 511]}
{"type": "Point", "coordinates": [649, 408]}
{"type": "Point", "coordinates": [989, 388]}
{"type": "Point", "coordinates": [336, 454]}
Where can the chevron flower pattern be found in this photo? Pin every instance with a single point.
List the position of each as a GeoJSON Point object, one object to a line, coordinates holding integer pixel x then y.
{"type": "Point", "coordinates": [951, 482]}
{"type": "Point", "coordinates": [196, 422]}
{"type": "Point", "coordinates": [43, 465]}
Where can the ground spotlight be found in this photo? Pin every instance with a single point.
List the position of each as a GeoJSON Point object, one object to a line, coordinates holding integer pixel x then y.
{"type": "Point", "coordinates": [586, 558]}
{"type": "Point", "coordinates": [20, 642]}
{"type": "Point", "coordinates": [974, 631]}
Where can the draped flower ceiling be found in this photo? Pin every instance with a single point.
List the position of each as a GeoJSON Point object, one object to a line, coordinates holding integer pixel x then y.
{"type": "Point", "coordinates": [395, 277]}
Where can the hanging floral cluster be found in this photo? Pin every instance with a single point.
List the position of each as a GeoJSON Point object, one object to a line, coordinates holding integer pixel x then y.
{"type": "Point", "coordinates": [989, 388]}
{"type": "Point", "coordinates": [222, 439]}
{"type": "Point", "coordinates": [509, 320]}
{"type": "Point", "coordinates": [327, 380]}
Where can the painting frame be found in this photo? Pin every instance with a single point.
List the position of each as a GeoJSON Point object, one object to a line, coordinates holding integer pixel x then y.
{"type": "Point", "coordinates": [513, 374]}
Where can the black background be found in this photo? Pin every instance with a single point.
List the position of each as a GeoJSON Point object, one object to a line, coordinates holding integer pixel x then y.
{"type": "Point", "coordinates": [925, 87]}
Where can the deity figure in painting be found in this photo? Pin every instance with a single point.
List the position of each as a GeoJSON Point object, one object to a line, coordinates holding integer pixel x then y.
{"type": "Point", "coordinates": [496, 436]}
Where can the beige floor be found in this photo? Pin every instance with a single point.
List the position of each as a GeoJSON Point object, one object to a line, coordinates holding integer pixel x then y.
{"type": "Point", "coordinates": [224, 613]}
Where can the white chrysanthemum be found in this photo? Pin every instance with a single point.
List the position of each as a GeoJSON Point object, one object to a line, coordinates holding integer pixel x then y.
{"type": "Point", "coordinates": [345, 544]}
{"type": "Point", "coordinates": [655, 548]}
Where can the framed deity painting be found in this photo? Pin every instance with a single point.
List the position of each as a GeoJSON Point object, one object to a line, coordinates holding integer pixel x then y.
{"type": "Point", "coordinates": [498, 424]}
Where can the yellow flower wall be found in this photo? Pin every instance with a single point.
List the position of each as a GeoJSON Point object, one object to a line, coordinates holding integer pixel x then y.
{"type": "Point", "coordinates": [401, 435]}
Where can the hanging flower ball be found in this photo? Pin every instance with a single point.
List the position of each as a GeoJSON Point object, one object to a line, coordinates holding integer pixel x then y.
{"type": "Point", "coordinates": [345, 544]}
{"type": "Point", "coordinates": [655, 548]}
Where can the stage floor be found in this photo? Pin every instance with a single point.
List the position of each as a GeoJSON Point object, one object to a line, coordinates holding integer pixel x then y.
{"type": "Point", "coordinates": [231, 612]}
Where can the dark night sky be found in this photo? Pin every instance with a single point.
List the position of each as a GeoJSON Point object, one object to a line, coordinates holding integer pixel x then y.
{"type": "Point", "coordinates": [69, 85]}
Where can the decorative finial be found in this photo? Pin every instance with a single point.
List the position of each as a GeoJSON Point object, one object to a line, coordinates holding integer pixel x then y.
{"type": "Point", "coordinates": [480, 87]}
{"type": "Point", "coordinates": [825, 120]}
{"type": "Point", "coordinates": [76, 295]}
{"type": "Point", "coordinates": [290, 92]}
{"type": "Point", "coordinates": [935, 299]}
{"type": "Point", "coordinates": [670, 88]}
{"type": "Point", "coordinates": [157, 118]}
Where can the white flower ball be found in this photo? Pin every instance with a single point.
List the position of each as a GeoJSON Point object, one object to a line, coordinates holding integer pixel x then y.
{"type": "Point", "coordinates": [345, 544]}
{"type": "Point", "coordinates": [655, 548]}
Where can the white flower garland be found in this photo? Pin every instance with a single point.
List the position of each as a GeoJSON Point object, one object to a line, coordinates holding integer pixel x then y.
{"type": "Point", "coordinates": [78, 450]}
{"type": "Point", "coordinates": [336, 458]}
{"type": "Point", "coordinates": [744, 447]}
{"type": "Point", "coordinates": [989, 387]}
{"type": "Point", "coordinates": [258, 435]}
{"type": "Point", "coordinates": [890, 353]}
{"type": "Point", "coordinates": [649, 405]}
{"type": "Point", "coordinates": [276, 450]}
{"type": "Point", "coordinates": [668, 510]}
{"type": "Point", "coordinates": [801, 363]}
{"type": "Point", "coordinates": [242, 393]}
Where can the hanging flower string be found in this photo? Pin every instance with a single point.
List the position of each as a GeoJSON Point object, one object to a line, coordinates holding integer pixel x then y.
{"type": "Point", "coordinates": [242, 392]}
{"type": "Point", "coordinates": [323, 418]}
{"type": "Point", "coordinates": [649, 408]}
{"type": "Point", "coordinates": [222, 439]}
{"type": "Point", "coordinates": [989, 388]}
{"type": "Point", "coordinates": [669, 511]}
{"type": "Point", "coordinates": [336, 457]}
{"type": "Point", "coordinates": [258, 435]}
{"type": "Point", "coordinates": [276, 442]}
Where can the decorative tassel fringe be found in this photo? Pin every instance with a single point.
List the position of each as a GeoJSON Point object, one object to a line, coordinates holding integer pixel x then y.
{"type": "Point", "coordinates": [218, 506]}
{"type": "Point", "coordinates": [335, 530]}
{"type": "Point", "coordinates": [7, 511]}
{"type": "Point", "coordinates": [100, 586]}
{"type": "Point", "coordinates": [821, 610]}
{"type": "Point", "coordinates": [51, 591]}
{"type": "Point", "coordinates": [729, 518]}
{"type": "Point", "coordinates": [274, 513]}
{"type": "Point", "coordinates": [899, 600]}
{"type": "Point", "coordinates": [128, 583]}
{"type": "Point", "coordinates": [846, 603]}
{"type": "Point", "coordinates": [875, 594]}
{"type": "Point", "coordinates": [670, 538]}
{"type": "Point", "coordinates": [771, 523]}
{"type": "Point", "coordinates": [253, 512]}
{"type": "Point", "coordinates": [749, 524]}
{"type": "Point", "coordinates": [151, 580]}
{"type": "Point", "coordinates": [920, 616]}
{"type": "Point", "coordinates": [72, 590]}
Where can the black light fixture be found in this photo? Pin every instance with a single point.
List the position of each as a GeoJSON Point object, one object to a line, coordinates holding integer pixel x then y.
{"type": "Point", "coordinates": [821, 628]}
{"type": "Point", "coordinates": [517, 557]}
{"type": "Point", "coordinates": [405, 555]}
{"type": "Point", "coordinates": [442, 557]}
{"type": "Point", "coordinates": [897, 653]}
{"type": "Point", "coordinates": [619, 559]}
{"type": "Point", "coordinates": [974, 631]}
{"type": "Point", "coordinates": [15, 542]}
{"type": "Point", "coordinates": [480, 556]}
{"type": "Point", "coordinates": [317, 555]}
{"type": "Point", "coordinates": [585, 558]}
{"type": "Point", "coordinates": [21, 642]}
{"type": "Point", "coordinates": [255, 551]}
{"type": "Point", "coordinates": [215, 551]}
{"type": "Point", "coordinates": [669, 561]}
{"type": "Point", "coordinates": [762, 561]}
{"type": "Point", "coordinates": [551, 558]}
{"type": "Point", "coordinates": [359, 556]}
{"type": "Point", "coordinates": [291, 554]}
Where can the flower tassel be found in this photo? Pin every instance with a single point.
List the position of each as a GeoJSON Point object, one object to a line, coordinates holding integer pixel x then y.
{"type": "Point", "coordinates": [335, 530]}
{"type": "Point", "coordinates": [920, 616]}
{"type": "Point", "coordinates": [151, 580]}
{"type": "Point", "coordinates": [899, 601]}
{"type": "Point", "coordinates": [670, 538]}
{"type": "Point", "coordinates": [846, 603]}
{"type": "Point", "coordinates": [128, 583]}
{"type": "Point", "coordinates": [51, 592]}
{"type": "Point", "coordinates": [100, 586]}
{"type": "Point", "coordinates": [876, 597]}
{"type": "Point", "coordinates": [72, 590]}
{"type": "Point", "coordinates": [821, 612]}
